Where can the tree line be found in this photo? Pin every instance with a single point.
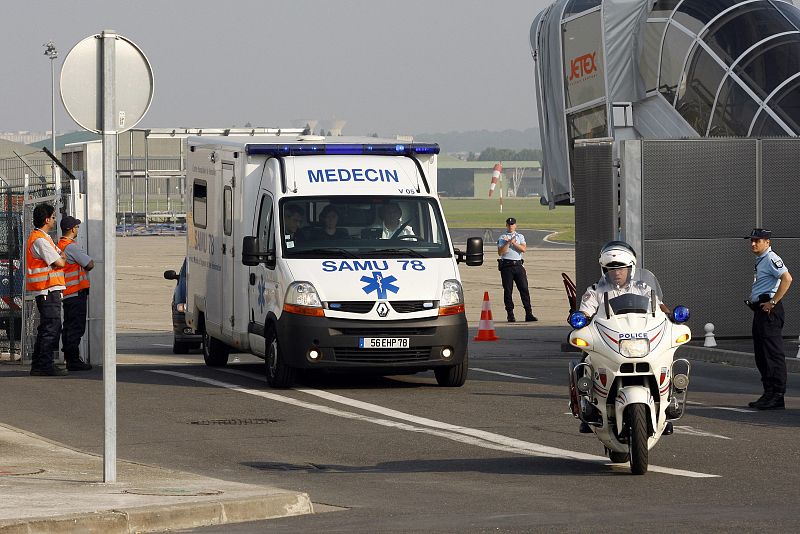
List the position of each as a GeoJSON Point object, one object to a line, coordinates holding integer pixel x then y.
{"type": "Point", "coordinates": [506, 154]}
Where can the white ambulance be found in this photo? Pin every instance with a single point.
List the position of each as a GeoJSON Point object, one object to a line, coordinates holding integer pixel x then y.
{"type": "Point", "coordinates": [324, 253]}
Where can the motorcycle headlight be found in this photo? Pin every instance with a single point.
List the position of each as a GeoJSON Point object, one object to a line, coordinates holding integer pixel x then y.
{"type": "Point", "coordinates": [452, 294]}
{"type": "Point", "coordinates": [303, 294]}
{"type": "Point", "coordinates": [634, 348]}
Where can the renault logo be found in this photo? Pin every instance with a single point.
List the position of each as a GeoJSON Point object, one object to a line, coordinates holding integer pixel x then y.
{"type": "Point", "coordinates": [383, 309]}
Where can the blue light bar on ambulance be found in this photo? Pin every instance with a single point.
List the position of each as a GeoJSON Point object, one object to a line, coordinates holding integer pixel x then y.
{"type": "Point", "coordinates": [342, 149]}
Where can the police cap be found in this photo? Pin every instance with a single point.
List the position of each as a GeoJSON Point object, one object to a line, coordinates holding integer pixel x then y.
{"type": "Point", "coordinates": [759, 233]}
{"type": "Point", "coordinates": [511, 220]}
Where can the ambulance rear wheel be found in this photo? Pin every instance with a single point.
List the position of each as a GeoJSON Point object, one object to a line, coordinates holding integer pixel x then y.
{"type": "Point", "coordinates": [279, 375]}
{"type": "Point", "coordinates": [454, 376]}
{"type": "Point", "coordinates": [215, 352]}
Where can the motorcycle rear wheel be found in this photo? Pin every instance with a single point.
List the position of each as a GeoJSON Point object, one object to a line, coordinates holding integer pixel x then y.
{"type": "Point", "coordinates": [637, 442]}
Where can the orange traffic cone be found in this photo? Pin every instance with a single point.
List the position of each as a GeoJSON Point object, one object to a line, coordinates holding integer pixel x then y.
{"type": "Point", "coordinates": [486, 327]}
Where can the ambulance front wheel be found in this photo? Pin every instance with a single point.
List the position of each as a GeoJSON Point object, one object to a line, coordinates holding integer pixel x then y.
{"type": "Point", "coordinates": [454, 376]}
{"type": "Point", "coordinates": [215, 352]}
{"type": "Point", "coordinates": [279, 375]}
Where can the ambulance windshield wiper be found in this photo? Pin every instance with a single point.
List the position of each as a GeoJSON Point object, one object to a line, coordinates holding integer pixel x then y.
{"type": "Point", "coordinates": [411, 252]}
{"type": "Point", "coordinates": [327, 250]}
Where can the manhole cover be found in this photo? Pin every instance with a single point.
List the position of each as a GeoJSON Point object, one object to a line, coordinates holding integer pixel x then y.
{"type": "Point", "coordinates": [171, 492]}
{"type": "Point", "coordinates": [235, 421]}
{"type": "Point", "coordinates": [13, 471]}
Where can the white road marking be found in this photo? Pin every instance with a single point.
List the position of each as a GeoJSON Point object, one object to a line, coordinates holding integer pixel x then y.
{"type": "Point", "coordinates": [695, 432]}
{"type": "Point", "coordinates": [726, 408]}
{"type": "Point", "coordinates": [501, 374]}
{"type": "Point", "coordinates": [161, 345]}
{"type": "Point", "coordinates": [479, 438]}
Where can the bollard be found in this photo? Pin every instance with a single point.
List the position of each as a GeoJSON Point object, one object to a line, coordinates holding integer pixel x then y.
{"type": "Point", "coordinates": [798, 347]}
{"type": "Point", "coordinates": [710, 341]}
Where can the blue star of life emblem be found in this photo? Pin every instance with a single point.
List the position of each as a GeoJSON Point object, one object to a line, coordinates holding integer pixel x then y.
{"type": "Point", "coordinates": [262, 300]}
{"type": "Point", "coordinates": [379, 283]}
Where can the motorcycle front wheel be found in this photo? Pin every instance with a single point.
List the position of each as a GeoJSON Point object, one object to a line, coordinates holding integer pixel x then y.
{"type": "Point", "coordinates": [637, 441]}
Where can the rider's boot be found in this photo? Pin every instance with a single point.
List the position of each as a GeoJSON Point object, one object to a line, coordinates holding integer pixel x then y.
{"type": "Point", "coordinates": [584, 428]}
{"type": "Point", "coordinates": [668, 430]}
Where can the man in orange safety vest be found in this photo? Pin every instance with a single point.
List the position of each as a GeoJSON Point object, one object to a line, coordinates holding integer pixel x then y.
{"type": "Point", "coordinates": [44, 278]}
{"type": "Point", "coordinates": [76, 295]}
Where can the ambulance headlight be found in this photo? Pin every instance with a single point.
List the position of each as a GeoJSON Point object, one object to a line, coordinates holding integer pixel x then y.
{"type": "Point", "coordinates": [452, 294]}
{"type": "Point", "coordinates": [303, 294]}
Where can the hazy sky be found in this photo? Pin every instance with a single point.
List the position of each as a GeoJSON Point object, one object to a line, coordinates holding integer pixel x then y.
{"type": "Point", "coordinates": [405, 66]}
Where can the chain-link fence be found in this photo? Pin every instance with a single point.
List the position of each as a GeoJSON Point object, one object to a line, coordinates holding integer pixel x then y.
{"type": "Point", "coordinates": [26, 180]}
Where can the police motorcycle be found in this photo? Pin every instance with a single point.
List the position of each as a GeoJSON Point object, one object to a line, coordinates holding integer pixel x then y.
{"type": "Point", "coordinates": [627, 388]}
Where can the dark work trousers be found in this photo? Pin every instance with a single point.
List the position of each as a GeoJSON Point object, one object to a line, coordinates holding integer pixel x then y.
{"type": "Point", "coordinates": [768, 345]}
{"type": "Point", "coordinates": [46, 344]}
{"type": "Point", "coordinates": [74, 324]}
{"type": "Point", "coordinates": [515, 274]}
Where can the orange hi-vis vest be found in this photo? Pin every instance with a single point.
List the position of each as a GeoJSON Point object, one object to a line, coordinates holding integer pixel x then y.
{"type": "Point", "coordinates": [75, 276]}
{"type": "Point", "coordinates": [40, 275]}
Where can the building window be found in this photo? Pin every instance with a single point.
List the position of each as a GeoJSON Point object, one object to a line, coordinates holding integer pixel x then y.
{"type": "Point", "coordinates": [584, 68]}
{"type": "Point", "coordinates": [673, 55]}
{"type": "Point", "coordinates": [736, 31]}
{"type": "Point", "coordinates": [648, 60]}
{"type": "Point", "coordinates": [770, 64]}
{"type": "Point", "coordinates": [734, 112]}
{"type": "Point", "coordinates": [579, 6]}
{"type": "Point", "coordinates": [698, 90]}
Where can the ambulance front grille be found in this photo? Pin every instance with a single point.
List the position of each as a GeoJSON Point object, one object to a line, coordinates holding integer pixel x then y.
{"type": "Point", "coordinates": [410, 306]}
{"type": "Point", "coordinates": [382, 355]}
{"type": "Point", "coordinates": [352, 306]}
{"type": "Point", "coordinates": [385, 331]}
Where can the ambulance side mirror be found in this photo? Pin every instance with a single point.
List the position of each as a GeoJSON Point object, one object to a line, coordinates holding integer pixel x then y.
{"type": "Point", "coordinates": [474, 254]}
{"type": "Point", "coordinates": [252, 255]}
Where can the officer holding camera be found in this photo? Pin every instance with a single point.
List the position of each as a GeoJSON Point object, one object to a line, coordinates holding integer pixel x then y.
{"type": "Point", "coordinates": [510, 247]}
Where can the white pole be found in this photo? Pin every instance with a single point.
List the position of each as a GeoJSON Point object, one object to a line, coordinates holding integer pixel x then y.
{"type": "Point", "coordinates": [109, 234]}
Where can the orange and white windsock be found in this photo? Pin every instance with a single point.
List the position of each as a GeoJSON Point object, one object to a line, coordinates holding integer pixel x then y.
{"type": "Point", "coordinates": [498, 168]}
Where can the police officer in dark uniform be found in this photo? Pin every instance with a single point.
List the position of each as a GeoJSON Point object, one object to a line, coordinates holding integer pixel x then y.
{"type": "Point", "coordinates": [510, 247]}
{"type": "Point", "coordinates": [771, 281]}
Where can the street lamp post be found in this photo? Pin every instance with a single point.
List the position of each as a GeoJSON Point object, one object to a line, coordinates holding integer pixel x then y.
{"type": "Point", "coordinates": [51, 52]}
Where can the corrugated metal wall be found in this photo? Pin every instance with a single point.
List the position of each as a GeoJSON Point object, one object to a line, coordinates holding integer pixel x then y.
{"type": "Point", "coordinates": [698, 200]}
{"type": "Point", "coordinates": [595, 207]}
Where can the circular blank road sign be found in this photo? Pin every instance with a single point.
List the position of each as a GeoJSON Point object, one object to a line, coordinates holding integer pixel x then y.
{"type": "Point", "coordinates": [82, 84]}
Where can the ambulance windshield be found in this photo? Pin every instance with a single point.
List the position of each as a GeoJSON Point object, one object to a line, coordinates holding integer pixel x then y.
{"type": "Point", "coordinates": [362, 227]}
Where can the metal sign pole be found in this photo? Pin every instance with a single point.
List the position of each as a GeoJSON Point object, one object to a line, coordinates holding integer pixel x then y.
{"type": "Point", "coordinates": [89, 75]}
{"type": "Point", "coordinates": [109, 234]}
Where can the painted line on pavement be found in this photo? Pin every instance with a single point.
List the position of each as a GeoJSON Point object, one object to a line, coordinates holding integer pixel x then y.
{"type": "Point", "coordinates": [695, 432]}
{"type": "Point", "coordinates": [726, 408]}
{"type": "Point", "coordinates": [471, 436]}
{"type": "Point", "coordinates": [501, 374]}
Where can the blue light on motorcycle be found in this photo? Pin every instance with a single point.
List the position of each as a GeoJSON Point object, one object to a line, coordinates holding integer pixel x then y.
{"type": "Point", "coordinates": [578, 319]}
{"type": "Point", "coordinates": [680, 314]}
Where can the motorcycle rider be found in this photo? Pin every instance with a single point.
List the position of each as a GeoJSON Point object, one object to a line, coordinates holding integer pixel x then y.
{"type": "Point", "coordinates": [618, 264]}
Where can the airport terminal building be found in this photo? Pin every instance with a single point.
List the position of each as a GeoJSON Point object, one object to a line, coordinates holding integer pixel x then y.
{"type": "Point", "coordinates": [673, 124]}
{"type": "Point", "coordinates": [663, 69]}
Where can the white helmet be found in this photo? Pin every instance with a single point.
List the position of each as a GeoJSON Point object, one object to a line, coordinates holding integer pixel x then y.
{"type": "Point", "coordinates": [616, 254]}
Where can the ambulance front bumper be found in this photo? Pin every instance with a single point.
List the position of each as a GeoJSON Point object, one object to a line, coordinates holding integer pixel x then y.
{"type": "Point", "coordinates": [339, 343]}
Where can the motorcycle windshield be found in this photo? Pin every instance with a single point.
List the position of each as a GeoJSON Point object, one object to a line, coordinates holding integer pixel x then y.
{"type": "Point", "coordinates": [640, 293]}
